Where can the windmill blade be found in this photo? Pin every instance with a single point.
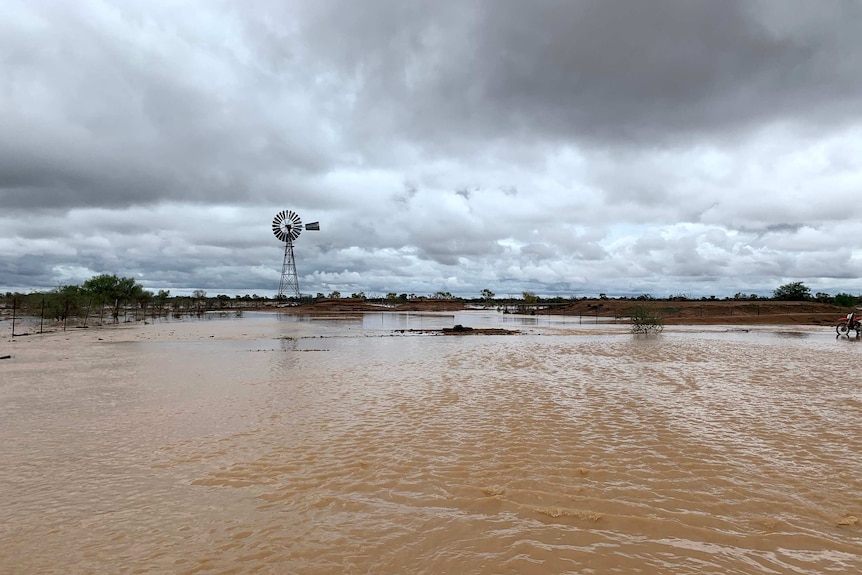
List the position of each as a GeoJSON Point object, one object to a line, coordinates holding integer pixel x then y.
{"type": "Point", "coordinates": [313, 226]}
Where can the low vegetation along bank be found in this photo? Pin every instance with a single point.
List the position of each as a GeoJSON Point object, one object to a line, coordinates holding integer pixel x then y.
{"type": "Point", "coordinates": [111, 299]}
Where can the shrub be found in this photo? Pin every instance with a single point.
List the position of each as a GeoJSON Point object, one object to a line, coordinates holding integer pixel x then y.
{"type": "Point", "coordinates": [845, 300]}
{"type": "Point", "coordinates": [645, 320]}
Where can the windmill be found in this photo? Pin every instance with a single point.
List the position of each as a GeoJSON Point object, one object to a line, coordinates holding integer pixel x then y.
{"type": "Point", "coordinates": [287, 226]}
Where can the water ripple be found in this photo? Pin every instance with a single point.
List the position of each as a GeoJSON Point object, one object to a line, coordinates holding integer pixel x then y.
{"type": "Point", "coordinates": [543, 453]}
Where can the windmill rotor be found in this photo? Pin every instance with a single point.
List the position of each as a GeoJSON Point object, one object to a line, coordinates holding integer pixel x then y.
{"type": "Point", "coordinates": [286, 224]}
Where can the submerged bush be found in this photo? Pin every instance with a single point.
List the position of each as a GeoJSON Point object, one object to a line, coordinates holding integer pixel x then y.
{"type": "Point", "coordinates": [645, 320]}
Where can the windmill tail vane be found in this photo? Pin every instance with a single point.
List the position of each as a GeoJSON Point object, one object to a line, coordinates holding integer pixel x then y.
{"type": "Point", "coordinates": [286, 226]}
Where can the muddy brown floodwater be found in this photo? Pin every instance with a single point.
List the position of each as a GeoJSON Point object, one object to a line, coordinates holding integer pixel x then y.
{"type": "Point", "coordinates": [312, 446]}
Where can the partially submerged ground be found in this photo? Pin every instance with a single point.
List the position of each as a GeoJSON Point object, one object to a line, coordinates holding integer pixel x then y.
{"type": "Point", "coordinates": [688, 312]}
{"type": "Point", "coordinates": [461, 330]}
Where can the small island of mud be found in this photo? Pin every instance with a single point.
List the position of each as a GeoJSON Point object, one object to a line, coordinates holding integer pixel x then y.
{"type": "Point", "coordinates": [461, 330]}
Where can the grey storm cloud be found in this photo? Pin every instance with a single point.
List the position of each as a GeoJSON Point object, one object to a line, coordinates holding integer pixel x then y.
{"type": "Point", "coordinates": [562, 147]}
{"type": "Point", "coordinates": [615, 73]}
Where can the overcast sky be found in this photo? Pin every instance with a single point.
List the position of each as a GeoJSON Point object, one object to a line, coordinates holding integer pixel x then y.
{"type": "Point", "coordinates": [570, 147]}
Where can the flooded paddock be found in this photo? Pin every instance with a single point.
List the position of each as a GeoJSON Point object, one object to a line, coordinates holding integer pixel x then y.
{"type": "Point", "coordinates": [269, 444]}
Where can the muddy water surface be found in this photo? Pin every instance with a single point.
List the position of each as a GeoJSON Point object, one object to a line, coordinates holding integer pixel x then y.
{"type": "Point", "coordinates": [260, 445]}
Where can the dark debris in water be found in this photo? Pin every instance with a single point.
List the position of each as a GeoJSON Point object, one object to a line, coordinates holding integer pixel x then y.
{"type": "Point", "coordinates": [461, 330]}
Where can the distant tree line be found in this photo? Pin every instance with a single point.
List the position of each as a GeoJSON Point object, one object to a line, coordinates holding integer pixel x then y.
{"type": "Point", "coordinates": [110, 295]}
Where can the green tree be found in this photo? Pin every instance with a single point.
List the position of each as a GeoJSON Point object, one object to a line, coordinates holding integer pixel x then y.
{"type": "Point", "coordinates": [145, 298]}
{"type": "Point", "coordinates": [335, 294]}
{"type": "Point", "coordinates": [62, 302]}
{"type": "Point", "coordinates": [128, 291]}
{"type": "Point", "coordinates": [108, 289]}
{"type": "Point", "coordinates": [487, 295]}
{"type": "Point", "coordinates": [102, 289]}
{"type": "Point", "coordinates": [793, 291]}
{"type": "Point", "coordinates": [161, 299]}
{"type": "Point", "coordinates": [530, 297]}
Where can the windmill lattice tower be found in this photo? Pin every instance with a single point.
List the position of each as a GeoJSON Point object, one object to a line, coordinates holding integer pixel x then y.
{"type": "Point", "coordinates": [286, 225]}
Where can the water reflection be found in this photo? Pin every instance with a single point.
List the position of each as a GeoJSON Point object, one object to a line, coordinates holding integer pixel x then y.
{"type": "Point", "coordinates": [792, 334]}
{"type": "Point", "coordinates": [391, 321]}
{"type": "Point", "coordinates": [848, 337]}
